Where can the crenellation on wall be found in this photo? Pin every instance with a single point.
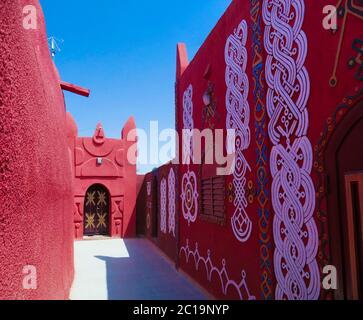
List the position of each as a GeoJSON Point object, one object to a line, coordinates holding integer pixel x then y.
{"type": "Point", "coordinates": [99, 160]}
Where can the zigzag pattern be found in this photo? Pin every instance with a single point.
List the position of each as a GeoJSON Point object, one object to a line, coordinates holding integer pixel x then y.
{"type": "Point", "coordinates": [222, 273]}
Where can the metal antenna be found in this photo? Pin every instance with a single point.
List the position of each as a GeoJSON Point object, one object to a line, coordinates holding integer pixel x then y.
{"type": "Point", "coordinates": [54, 47]}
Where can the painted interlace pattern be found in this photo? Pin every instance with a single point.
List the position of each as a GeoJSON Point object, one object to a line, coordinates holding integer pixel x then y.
{"type": "Point", "coordinates": [163, 206]}
{"type": "Point", "coordinates": [188, 124]}
{"type": "Point", "coordinates": [189, 188]}
{"type": "Point", "coordinates": [217, 273]}
{"type": "Point", "coordinates": [171, 198]}
{"type": "Point", "coordinates": [238, 118]}
{"type": "Point", "coordinates": [149, 205]}
{"type": "Point", "coordinates": [293, 195]}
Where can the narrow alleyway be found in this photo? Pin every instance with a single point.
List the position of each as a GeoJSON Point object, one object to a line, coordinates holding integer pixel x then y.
{"type": "Point", "coordinates": [127, 270]}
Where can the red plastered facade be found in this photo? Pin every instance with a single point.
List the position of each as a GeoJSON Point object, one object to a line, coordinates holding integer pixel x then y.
{"type": "Point", "coordinates": [36, 188]}
{"type": "Point", "coordinates": [102, 161]}
{"type": "Point", "coordinates": [303, 88]}
{"type": "Point", "coordinates": [270, 71]}
{"type": "Point", "coordinates": [158, 212]}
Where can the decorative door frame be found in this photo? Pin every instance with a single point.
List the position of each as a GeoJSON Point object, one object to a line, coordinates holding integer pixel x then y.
{"type": "Point", "coordinates": [336, 224]}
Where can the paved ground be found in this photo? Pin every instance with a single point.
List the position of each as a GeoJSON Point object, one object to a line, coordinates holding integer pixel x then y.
{"type": "Point", "coordinates": [127, 270]}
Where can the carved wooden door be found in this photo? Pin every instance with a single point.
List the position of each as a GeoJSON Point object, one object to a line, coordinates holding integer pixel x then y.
{"type": "Point", "coordinates": [96, 211]}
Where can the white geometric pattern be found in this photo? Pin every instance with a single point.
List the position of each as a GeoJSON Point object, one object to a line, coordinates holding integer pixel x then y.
{"type": "Point", "coordinates": [148, 188]}
{"type": "Point", "coordinates": [163, 206]}
{"type": "Point", "coordinates": [238, 119]}
{"type": "Point", "coordinates": [188, 124]}
{"type": "Point", "coordinates": [149, 205]}
{"type": "Point", "coordinates": [227, 284]}
{"type": "Point", "coordinates": [189, 182]}
{"type": "Point", "coordinates": [189, 197]}
{"type": "Point", "coordinates": [293, 192]}
{"type": "Point", "coordinates": [171, 198]}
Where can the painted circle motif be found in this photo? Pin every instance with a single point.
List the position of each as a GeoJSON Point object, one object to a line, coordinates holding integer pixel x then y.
{"type": "Point", "coordinates": [190, 197]}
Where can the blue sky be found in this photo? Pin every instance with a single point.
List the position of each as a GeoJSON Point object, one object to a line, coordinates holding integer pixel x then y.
{"type": "Point", "coordinates": [125, 52]}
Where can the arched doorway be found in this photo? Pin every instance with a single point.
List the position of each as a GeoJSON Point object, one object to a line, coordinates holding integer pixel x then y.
{"type": "Point", "coordinates": [344, 163]}
{"type": "Point", "coordinates": [97, 211]}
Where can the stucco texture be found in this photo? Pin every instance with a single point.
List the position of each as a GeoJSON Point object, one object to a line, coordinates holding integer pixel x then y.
{"type": "Point", "coordinates": [36, 197]}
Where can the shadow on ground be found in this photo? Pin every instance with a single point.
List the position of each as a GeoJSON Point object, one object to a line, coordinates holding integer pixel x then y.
{"type": "Point", "coordinates": [128, 270]}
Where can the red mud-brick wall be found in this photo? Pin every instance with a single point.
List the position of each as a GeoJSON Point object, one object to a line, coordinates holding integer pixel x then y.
{"type": "Point", "coordinates": [251, 265]}
{"type": "Point", "coordinates": [329, 104]}
{"type": "Point", "coordinates": [130, 144]}
{"type": "Point", "coordinates": [35, 169]}
{"type": "Point", "coordinates": [167, 237]}
{"type": "Point", "coordinates": [141, 206]}
{"type": "Point", "coordinates": [147, 211]}
{"type": "Point", "coordinates": [209, 251]}
{"type": "Point", "coordinates": [155, 201]}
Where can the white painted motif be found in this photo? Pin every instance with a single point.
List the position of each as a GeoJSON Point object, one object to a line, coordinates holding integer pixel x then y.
{"type": "Point", "coordinates": [293, 192]}
{"type": "Point", "coordinates": [238, 119]}
{"type": "Point", "coordinates": [149, 205]}
{"type": "Point", "coordinates": [188, 124]}
{"type": "Point", "coordinates": [148, 188]}
{"type": "Point", "coordinates": [171, 198]}
{"type": "Point", "coordinates": [163, 206]}
{"type": "Point", "coordinates": [189, 188]}
{"type": "Point", "coordinates": [218, 274]}
{"type": "Point", "coordinates": [189, 197]}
